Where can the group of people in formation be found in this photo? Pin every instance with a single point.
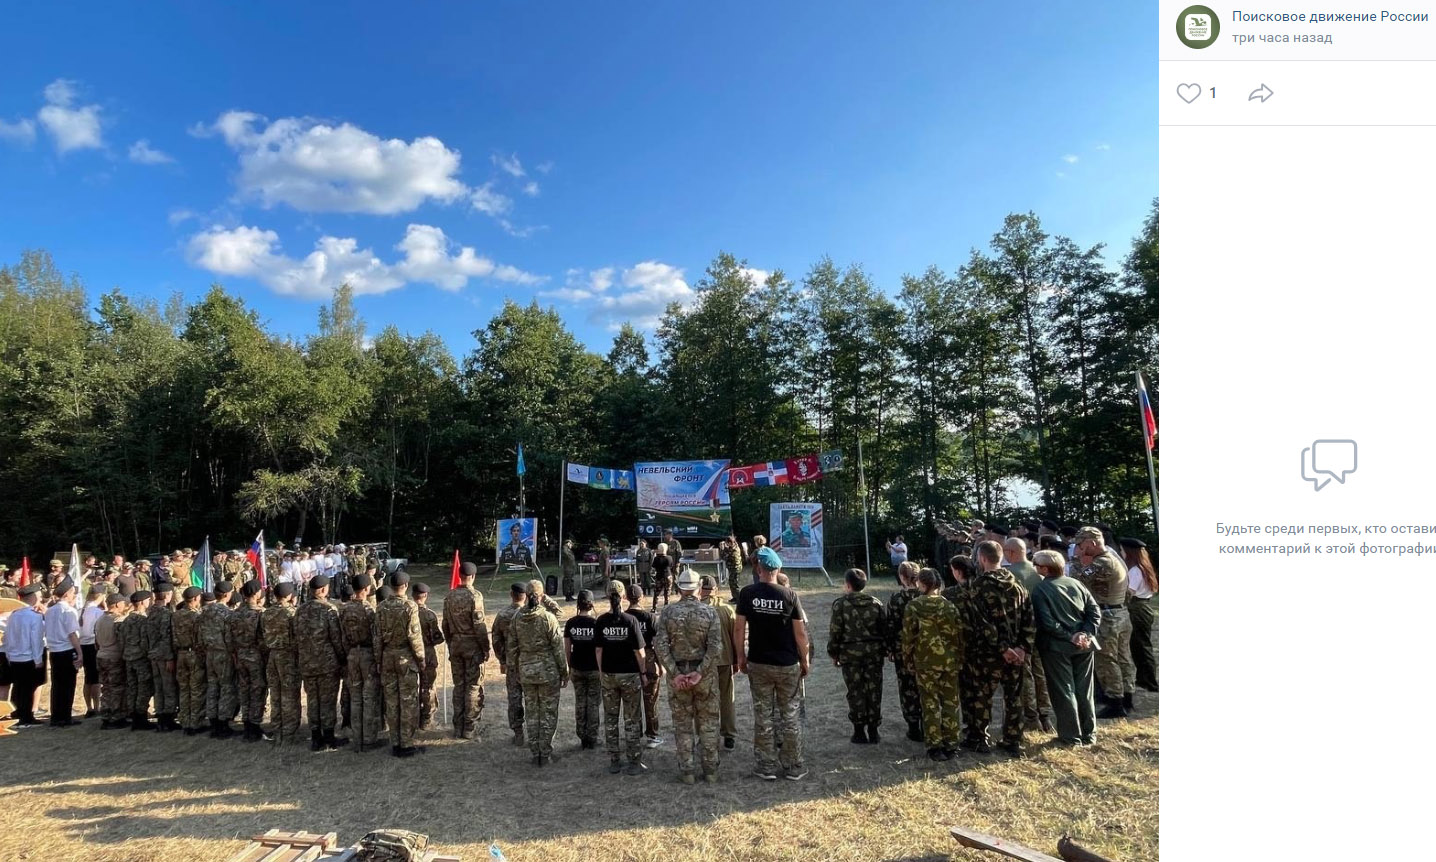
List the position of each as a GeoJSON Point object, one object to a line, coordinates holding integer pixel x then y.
{"type": "Point", "coordinates": [1053, 636]}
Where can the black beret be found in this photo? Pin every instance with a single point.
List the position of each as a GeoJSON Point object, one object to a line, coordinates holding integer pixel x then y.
{"type": "Point", "coordinates": [64, 586]}
{"type": "Point", "coordinates": [223, 588]}
{"type": "Point", "coordinates": [318, 582]}
{"type": "Point", "coordinates": [190, 592]}
{"type": "Point", "coordinates": [1049, 525]}
{"type": "Point", "coordinates": [362, 581]}
{"type": "Point", "coordinates": [140, 595]}
{"type": "Point", "coordinates": [31, 589]}
{"type": "Point", "coordinates": [421, 589]}
{"type": "Point", "coordinates": [385, 593]}
{"type": "Point", "coordinates": [1068, 530]}
{"type": "Point", "coordinates": [284, 589]}
{"type": "Point", "coordinates": [206, 597]}
{"type": "Point", "coordinates": [1031, 525]}
{"type": "Point", "coordinates": [164, 587]}
{"type": "Point", "coordinates": [470, 570]}
{"type": "Point", "coordinates": [999, 530]}
{"type": "Point", "coordinates": [398, 579]}
{"type": "Point", "coordinates": [250, 588]}
{"type": "Point", "coordinates": [516, 589]}
{"type": "Point", "coordinates": [1134, 544]}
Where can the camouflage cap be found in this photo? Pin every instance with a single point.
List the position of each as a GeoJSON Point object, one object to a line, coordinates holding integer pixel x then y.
{"type": "Point", "coordinates": [1088, 534]}
{"type": "Point", "coordinates": [708, 582]}
{"type": "Point", "coordinates": [615, 587]}
{"type": "Point", "coordinates": [56, 563]}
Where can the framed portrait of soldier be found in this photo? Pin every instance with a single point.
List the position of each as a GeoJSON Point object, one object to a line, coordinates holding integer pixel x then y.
{"type": "Point", "coordinates": [517, 542]}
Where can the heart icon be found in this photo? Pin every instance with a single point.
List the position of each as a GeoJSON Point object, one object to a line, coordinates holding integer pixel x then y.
{"type": "Point", "coordinates": [1189, 92]}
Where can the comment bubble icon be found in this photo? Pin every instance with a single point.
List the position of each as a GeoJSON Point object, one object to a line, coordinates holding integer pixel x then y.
{"type": "Point", "coordinates": [1334, 458]}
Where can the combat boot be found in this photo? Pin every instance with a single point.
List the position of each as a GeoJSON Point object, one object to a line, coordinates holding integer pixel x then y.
{"type": "Point", "coordinates": [140, 721]}
{"type": "Point", "coordinates": [220, 729]}
{"type": "Point", "coordinates": [914, 732]}
{"type": "Point", "coordinates": [615, 766]}
{"type": "Point", "coordinates": [873, 738]}
{"type": "Point", "coordinates": [316, 740]}
{"type": "Point", "coordinates": [1046, 722]}
{"type": "Point", "coordinates": [860, 736]}
{"type": "Point", "coordinates": [333, 744]}
{"type": "Point", "coordinates": [248, 734]}
{"type": "Point", "coordinates": [162, 723]}
{"type": "Point", "coordinates": [1112, 708]}
{"type": "Point", "coordinates": [1127, 702]}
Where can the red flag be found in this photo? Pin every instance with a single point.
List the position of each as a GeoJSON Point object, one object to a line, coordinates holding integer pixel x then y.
{"type": "Point", "coordinates": [742, 477]}
{"type": "Point", "coordinates": [454, 576]}
{"type": "Point", "coordinates": [804, 469]}
{"type": "Point", "coordinates": [24, 571]}
{"type": "Point", "coordinates": [1149, 421]}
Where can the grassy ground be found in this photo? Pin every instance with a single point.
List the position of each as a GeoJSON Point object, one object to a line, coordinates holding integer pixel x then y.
{"type": "Point", "coordinates": [117, 796]}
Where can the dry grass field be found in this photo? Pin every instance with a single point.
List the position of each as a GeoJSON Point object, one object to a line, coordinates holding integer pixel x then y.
{"type": "Point", "coordinates": [118, 796]}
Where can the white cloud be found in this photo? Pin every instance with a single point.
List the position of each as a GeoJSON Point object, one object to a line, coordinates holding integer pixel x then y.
{"type": "Point", "coordinates": [509, 164]}
{"type": "Point", "coordinates": [74, 127]}
{"type": "Point", "coordinates": [531, 189]}
{"type": "Point", "coordinates": [428, 256]}
{"type": "Point", "coordinates": [544, 167]}
{"type": "Point", "coordinates": [22, 131]}
{"type": "Point", "coordinates": [178, 216]}
{"type": "Point", "coordinates": [315, 167]}
{"type": "Point", "coordinates": [756, 277]}
{"type": "Point", "coordinates": [643, 292]}
{"type": "Point", "coordinates": [1070, 159]}
{"type": "Point", "coordinates": [1104, 146]}
{"type": "Point", "coordinates": [142, 152]}
{"type": "Point", "coordinates": [489, 202]}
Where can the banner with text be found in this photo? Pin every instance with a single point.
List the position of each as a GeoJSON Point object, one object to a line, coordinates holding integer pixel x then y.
{"type": "Point", "coordinates": [796, 531]}
{"type": "Point", "coordinates": [688, 497]}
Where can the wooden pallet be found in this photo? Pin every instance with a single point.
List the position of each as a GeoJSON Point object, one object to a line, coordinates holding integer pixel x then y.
{"type": "Point", "coordinates": [277, 846]}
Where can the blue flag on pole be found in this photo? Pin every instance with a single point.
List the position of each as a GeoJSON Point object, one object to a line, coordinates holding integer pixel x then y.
{"type": "Point", "coordinates": [521, 459]}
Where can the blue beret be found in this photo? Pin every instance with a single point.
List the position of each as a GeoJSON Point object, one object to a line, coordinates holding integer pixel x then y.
{"type": "Point", "coordinates": [769, 558]}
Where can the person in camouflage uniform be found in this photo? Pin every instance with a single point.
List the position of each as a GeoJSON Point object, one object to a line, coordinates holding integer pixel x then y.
{"type": "Point", "coordinates": [248, 638]}
{"type": "Point", "coordinates": [732, 554]}
{"type": "Point", "coordinates": [321, 655]}
{"type": "Point", "coordinates": [932, 649]}
{"type": "Point", "coordinates": [110, 655]}
{"type": "Point", "coordinates": [727, 617]}
{"type": "Point", "coordinates": [160, 620]}
{"type": "Point", "coordinates": [433, 636]}
{"type": "Point", "coordinates": [535, 645]}
{"type": "Point", "coordinates": [1104, 574]}
{"type": "Point", "coordinates": [689, 644]}
{"type": "Point", "coordinates": [1000, 632]}
{"type": "Point", "coordinates": [465, 629]}
{"type": "Point", "coordinates": [1036, 706]}
{"type": "Point", "coordinates": [139, 672]}
{"type": "Point", "coordinates": [908, 696]}
{"type": "Point", "coordinates": [189, 662]}
{"type": "Point", "coordinates": [503, 621]}
{"type": "Point", "coordinates": [361, 670]}
{"type": "Point", "coordinates": [282, 671]}
{"type": "Point", "coordinates": [857, 639]}
{"type": "Point", "coordinates": [568, 567]}
{"type": "Point", "coordinates": [399, 649]}
{"type": "Point", "coordinates": [221, 696]}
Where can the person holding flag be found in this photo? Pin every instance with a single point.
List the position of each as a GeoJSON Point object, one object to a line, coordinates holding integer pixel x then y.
{"type": "Point", "coordinates": [257, 560]}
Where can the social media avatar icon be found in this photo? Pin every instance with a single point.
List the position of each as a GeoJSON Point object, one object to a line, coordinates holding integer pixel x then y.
{"type": "Point", "coordinates": [1325, 460]}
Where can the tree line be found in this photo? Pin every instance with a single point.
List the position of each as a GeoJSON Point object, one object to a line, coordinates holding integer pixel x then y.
{"type": "Point", "coordinates": [999, 390]}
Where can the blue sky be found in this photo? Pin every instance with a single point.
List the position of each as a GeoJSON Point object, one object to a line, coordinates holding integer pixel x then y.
{"type": "Point", "coordinates": [445, 156]}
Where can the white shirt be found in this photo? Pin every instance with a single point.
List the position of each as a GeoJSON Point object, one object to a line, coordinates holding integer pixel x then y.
{"type": "Point", "coordinates": [306, 570]}
{"type": "Point", "coordinates": [1138, 584]}
{"type": "Point", "coordinates": [88, 617]}
{"type": "Point", "coordinates": [286, 572]}
{"type": "Point", "coordinates": [898, 551]}
{"type": "Point", "coordinates": [61, 621]}
{"type": "Point", "coordinates": [25, 636]}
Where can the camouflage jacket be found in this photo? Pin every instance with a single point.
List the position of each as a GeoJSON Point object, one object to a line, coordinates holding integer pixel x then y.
{"type": "Point", "coordinates": [733, 560]}
{"type": "Point", "coordinates": [134, 632]}
{"type": "Point", "coordinates": [160, 621]}
{"type": "Point", "coordinates": [1106, 579]}
{"type": "Point", "coordinates": [503, 621]}
{"type": "Point", "coordinates": [535, 645]}
{"type": "Point", "coordinates": [429, 628]}
{"type": "Point", "coordinates": [245, 633]}
{"type": "Point", "coordinates": [689, 631]}
{"type": "Point", "coordinates": [356, 625]}
{"type": "Point", "coordinates": [277, 624]}
{"type": "Point", "coordinates": [931, 638]}
{"type": "Point", "coordinates": [999, 617]}
{"type": "Point", "coordinates": [397, 630]}
{"type": "Point", "coordinates": [858, 630]}
{"type": "Point", "coordinates": [896, 605]}
{"type": "Point", "coordinates": [727, 619]}
{"type": "Point", "coordinates": [214, 627]}
{"type": "Point", "coordinates": [185, 626]}
{"type": "Point", "coordinates": [568, 565]}
{"type": "Point", "coordinates": [465, 628]}
{"type": "Point", "coordinates": [316, 637]}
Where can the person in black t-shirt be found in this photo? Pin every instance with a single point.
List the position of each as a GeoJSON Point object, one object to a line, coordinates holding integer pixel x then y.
{"type": "Point", "coordinates": [662, 574]}
{"type": "Point", "coordinates": [652, 671]}
{"type": "Point", "coordinates": [776, 660]}
{"type": "Point", "coordinates": [620, 655]}
{"type": "Point", "coordinates": [580, 642]}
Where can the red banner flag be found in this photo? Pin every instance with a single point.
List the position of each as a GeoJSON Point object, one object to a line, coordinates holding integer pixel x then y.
{"type": "Point", "coordinates": [24, 571]}
{"type": "Point", "coordinates": [804, 469]}
{"type": "Point", "coordinates": [454, 575]}
{"type": "Point", "coordinates": [742, 477]}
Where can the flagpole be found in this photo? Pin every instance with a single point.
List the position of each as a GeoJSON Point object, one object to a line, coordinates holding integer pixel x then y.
{"type": "Point", "coordinates": [562, 482]}
{"type": "Point", "coordinates": [863, 497]}
{"type": "Point", "coordinates": [1151, 471]}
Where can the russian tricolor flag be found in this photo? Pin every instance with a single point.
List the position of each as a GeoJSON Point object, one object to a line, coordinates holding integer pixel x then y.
{"type": "Point", "coordinates": [256, 560]}
{"type": "Point", "coordinates": [1149, 421]}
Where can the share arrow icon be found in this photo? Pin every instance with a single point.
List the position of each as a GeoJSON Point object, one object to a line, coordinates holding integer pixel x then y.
{"type": "Point", "coordinates": [1263, 93]}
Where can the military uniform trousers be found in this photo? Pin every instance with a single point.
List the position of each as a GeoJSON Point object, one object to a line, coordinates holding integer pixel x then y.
{"type": "Point", "coordinates": [400, 674]}
{"type": "Point", "coordinates": [252, 686]}
{"type": "Point", "coordinates": [541, 712]}
{"type": "Point", "coordinates": [428, 699]}
{"type": "Point", "coordinates": [941, 716]}
{"type": "Point", "coordinates": [113, 702]}
{"type": "Point", "coordinates": [166, 686]}
{"type": "Point", "coordinates": [908, 697]}
{"type": "Point", "coordinates": [1144, 639]}
{"type": "Point", "coordinates": [321, 701]}
{"type": "Point", "coordinates": [727, 707]}
{"type": "Point", "coordinates": [283, 677]}
{"type": "Point", "coordinates": [1035, 702]}
{"type": "Point", "coordinates": [734, 583]}
{"type": "Point", "coordinates": [695, 713]}
{"type": "Point", "coordinates": [1115, 671]}
{"type": "Point", "coordinates": [650, 700]}
{"type": "Point", "coordinates": [139, 685]}
{"type": "Point", "coordinates": [189, 675]}
{"type": "Point", "coordinates": [864, 681]}
{"type": "Point", "coordinates": [776, 691]}
{"type": "Point", "coordinates": [366, 711]}
{"type": "Point", "coordinates": [978, 684]}
{"type": "Point", "coordinates": [514, 687]}
{"type": "Point", "coordinates": [468, 673]}
{"type": "Point", "coordinates": [587, 703]}
{"type": "Point", "coordinates": [1069, 682]}
{"type": "Point", "coordinates": [221, 699]}
{"type": "Point", "coordinates": [626, 691]}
